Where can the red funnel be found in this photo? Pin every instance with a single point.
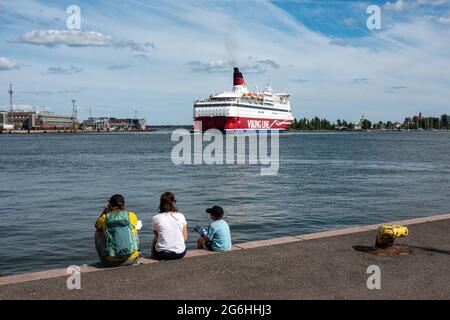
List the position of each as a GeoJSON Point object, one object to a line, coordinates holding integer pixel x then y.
{"type": "Point", "coordinates": [238, 79]}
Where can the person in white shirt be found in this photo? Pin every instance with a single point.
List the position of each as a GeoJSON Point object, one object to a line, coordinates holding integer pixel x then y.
{"type": "Point", "coordinates": [169, 230]}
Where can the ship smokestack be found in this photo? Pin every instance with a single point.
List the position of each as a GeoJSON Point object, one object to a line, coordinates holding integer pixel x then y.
{"type": "Point", "coordinates": [238, 79]}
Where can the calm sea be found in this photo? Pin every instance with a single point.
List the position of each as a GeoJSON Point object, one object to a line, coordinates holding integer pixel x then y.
{"type": "Point", "coordinates": [53, 187]}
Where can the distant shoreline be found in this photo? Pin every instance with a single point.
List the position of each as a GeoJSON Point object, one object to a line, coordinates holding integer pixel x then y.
{"type": "Point", "coordinates": [70, 131]}
{"type": "Point", "coordinates": [370, 130]}
{"type": "Point", "coordinates": [173, 127]}
{"type": "Point", "coordinates": [78, 131]}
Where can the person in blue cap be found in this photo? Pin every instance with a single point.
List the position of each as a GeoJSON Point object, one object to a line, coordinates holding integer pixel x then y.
{"type": "Point", "coordinates": [217, 236]}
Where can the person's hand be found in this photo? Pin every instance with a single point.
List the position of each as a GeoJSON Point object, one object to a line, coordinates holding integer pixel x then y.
{"type": "Point", "coordinates": [106, 209]}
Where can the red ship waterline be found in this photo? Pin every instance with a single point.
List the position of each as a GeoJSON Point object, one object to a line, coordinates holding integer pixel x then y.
{"type": "Point", "coordinates": [242, 110]}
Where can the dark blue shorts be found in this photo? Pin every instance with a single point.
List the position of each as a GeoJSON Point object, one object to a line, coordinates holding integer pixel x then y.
{"type": "Point", "coordinates": [208, 245]}
{"type": "Point", "coordinates": [167, 255]}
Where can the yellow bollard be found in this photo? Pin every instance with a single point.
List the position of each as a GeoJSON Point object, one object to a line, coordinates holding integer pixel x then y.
{"type": "Point", "coordinates": [388, 233]}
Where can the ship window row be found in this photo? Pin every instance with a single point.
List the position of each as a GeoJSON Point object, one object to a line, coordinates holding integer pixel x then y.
{"type": "Point", "coordinates": [215, 110]}
{"type": "Point", "coordinates": [246, 106]}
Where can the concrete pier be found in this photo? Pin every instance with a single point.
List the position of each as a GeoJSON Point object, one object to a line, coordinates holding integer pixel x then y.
{"type": "Point", "coordinates": [323, 265]}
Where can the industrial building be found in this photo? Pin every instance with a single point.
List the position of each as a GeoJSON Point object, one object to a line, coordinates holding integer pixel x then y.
{"type": "Point", "coordinates": [107, 123]}
{"type": "Point", "coordinates": [96, 123]}
{"type": "Point", "coordinates": [33, 120]}
{"type": "Point", "coordinates": [22, 118]}
{"type": "Point", "coordinates": [5, 123]}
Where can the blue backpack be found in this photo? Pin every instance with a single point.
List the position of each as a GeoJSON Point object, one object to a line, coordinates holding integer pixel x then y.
{"type": "Point", "coordinates": [120, 240]}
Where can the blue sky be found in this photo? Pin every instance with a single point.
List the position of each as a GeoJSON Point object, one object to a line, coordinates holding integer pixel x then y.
{"type": "Point", "coordinates": [156, 57]}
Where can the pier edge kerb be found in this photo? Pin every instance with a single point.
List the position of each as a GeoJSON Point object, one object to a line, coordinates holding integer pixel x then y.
{"type": "Point", "coordinates": [56, 273]}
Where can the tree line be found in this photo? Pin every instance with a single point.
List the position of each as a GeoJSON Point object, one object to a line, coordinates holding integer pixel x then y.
{"type": "Point", "coordinates": [410, 123]}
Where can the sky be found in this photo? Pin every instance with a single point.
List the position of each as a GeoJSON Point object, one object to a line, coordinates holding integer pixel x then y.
{"type": "Point", "coordinates": [157, 57]}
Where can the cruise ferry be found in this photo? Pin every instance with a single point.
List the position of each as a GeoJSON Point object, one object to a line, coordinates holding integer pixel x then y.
{"type": "Point", "coordinates": [242, 110]}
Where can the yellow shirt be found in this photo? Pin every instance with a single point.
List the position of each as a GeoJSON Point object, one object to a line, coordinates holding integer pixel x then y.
{"type": "Point", "coordinates": [100, 226]}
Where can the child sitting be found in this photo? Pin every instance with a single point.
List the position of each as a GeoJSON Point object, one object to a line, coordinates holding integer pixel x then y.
{"type": "Point", "coordinates": [217, 236]}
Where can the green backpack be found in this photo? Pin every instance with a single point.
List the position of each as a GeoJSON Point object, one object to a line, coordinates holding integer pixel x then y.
{"type": "Point", "coordinates": [120, 240]}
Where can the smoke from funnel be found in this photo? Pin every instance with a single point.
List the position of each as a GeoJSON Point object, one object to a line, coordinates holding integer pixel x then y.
{"type": "Point", "coordinates": [230, 47]}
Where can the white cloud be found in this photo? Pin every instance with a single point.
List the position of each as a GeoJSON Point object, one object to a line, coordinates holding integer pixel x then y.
{"type": "Point", "coordinates": [119, 67]}
{"type": "Point", "coordinates": [395, 89]}
{"type": "Point", "coordinates": [433, 2]}
{"type": "Point", "coordinates": [269, 63]}
{"type": "Point", "coordinates": [60, 70]}
{"type": "Point", "coordinates": [75, 38]}
{"type": "Point", "coordinates": [360, 80]}
{"type": "Point", "coordinates": [134, 45]}
{"type": "Point", "coordinates": [64, 37]}
{"type": "Point", "coordinates": [212, 66]}
{"type": "Point", "coordinates": [442, 20]}
{"type": "Point", "coordinates": [340, 42]}
{"type": "Point", "coordinates": [6, 64]}
{"type": "Point", "coordinates": [349, 21]}
{"type": "Point", "coordinates": [400, 5]}
{"type": "Point", "coordinates": [37, 92]}
{"type": "Point", "coordinates": [220, 65]}
{"type": "Point", "coordinates": [141, 56]}
{"type": "Point", "coordinates": [405, 4]}
{"type": "Point", "coordinates": [300, 80]}
{"type": "Point", "coordinates": [71, 91]}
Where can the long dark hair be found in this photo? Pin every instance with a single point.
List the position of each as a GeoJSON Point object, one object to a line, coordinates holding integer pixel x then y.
{"type": "Point", "coordinates": [117, 202]}
{"type": "Point", "coordinates": [167, 203]}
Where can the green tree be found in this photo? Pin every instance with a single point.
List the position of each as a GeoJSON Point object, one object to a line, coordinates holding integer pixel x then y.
{"type": "Point", "coordinates": [366, 124]}
{"type": "Point", "coordinates": [444, 121]}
